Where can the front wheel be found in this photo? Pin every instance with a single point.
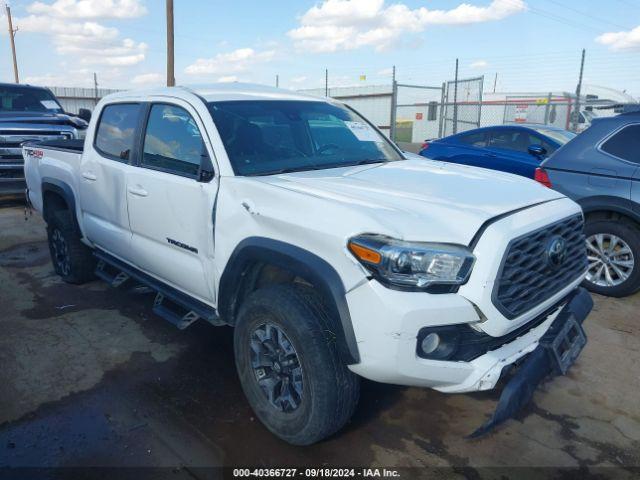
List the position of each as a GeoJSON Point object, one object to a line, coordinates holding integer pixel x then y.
{"type": "Point", "coordinates": [289, 366]}
{"type": "Point", "coordinates": [613, 250]}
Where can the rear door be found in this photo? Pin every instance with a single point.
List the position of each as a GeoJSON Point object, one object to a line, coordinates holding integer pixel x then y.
{"type": "Point", "coordinates": [508, 151]}
{"type": "Point", "coordinates": [170, 207]}
{"type": "Point", "coordinates": [623, 146]}
{"type": "Point", "coordinates": [103, 170]}
{"type": "Point", "coordinates": [466, 149]}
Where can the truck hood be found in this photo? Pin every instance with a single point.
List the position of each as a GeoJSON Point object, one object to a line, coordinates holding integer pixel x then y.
{"type": "Point", "coordinates": [421, 200]}
{"type": "Point", "coordinates": [24, 119]}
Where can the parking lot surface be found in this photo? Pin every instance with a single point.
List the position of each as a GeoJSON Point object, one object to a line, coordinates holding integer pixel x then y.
{"type": "Point", "coordinates": [90, 377]}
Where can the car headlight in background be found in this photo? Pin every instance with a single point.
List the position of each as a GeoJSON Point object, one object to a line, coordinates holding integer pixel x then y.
{"type": "Point", "coordinates": [413, 265]}
{"type": "Point", "coordinates": [82, 134]}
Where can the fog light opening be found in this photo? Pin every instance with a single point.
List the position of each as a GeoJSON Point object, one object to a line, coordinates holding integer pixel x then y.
{"type": "Point", "coordinates": [430, 343]}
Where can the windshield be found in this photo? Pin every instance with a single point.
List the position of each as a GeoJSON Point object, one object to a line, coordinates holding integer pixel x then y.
{"type": "Point", "coordinates": [560, 136]}
{"type": "Point", "coordinates": [25, 99]}
{"type": "Point", "coordinates": [271, 136]}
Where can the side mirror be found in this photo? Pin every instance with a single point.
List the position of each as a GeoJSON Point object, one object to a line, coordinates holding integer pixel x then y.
{"type": "Point", "coordinates": [84, 114]}
{"type": "Point", "coordinates": [537, 150]}
{"type": "Point", "coordinates": [206, 169]}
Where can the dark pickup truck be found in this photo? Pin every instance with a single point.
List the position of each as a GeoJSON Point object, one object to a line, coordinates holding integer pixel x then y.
{"type": "Point", "coordinates": [28, 114]}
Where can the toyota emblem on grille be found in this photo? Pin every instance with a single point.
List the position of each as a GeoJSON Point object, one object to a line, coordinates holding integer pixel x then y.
{"type": "Point", "coordinates": [556, 252]}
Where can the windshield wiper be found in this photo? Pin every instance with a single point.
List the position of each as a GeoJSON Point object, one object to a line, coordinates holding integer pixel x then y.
{"type": "Point", "coordinates": [368, 161]}
{"type": "Point", "coordinates": [284, 170]}
{"type": "Point", "coordinates": [306, 168]}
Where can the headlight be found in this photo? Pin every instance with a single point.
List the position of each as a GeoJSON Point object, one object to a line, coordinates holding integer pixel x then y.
{"type": "Point", "coordinates": [412, 265]}
{"type": "Point", "coordinates": [82, 134]}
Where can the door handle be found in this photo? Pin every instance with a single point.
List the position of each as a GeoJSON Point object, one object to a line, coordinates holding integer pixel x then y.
{"type": "Point", "coordinates": [89, 176]}
{"type": "Point", "coordinates": [138, 192]}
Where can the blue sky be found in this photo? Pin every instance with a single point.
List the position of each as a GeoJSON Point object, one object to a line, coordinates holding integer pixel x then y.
{"type": "Point", "coordinates": [533, 45]}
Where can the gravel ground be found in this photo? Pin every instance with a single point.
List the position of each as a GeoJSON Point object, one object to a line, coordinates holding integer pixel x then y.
{"type": "Point", "coordinates": [92, 378]}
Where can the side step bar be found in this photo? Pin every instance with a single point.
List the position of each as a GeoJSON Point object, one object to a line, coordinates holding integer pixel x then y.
{"type": "Point", "coordinates": [171, 304]}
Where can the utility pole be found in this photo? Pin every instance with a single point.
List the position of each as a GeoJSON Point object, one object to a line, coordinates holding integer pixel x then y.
{"type": "Point", "coordinates": [576, 112]}
{"type": "Point", "coordinates": [95, 87]}
{"type": "Point", "coordinates": [495, 82]}
{"type": "Point", "coordinates": [326, 82]}
{"type": "Point", "coordinates": [394, 106]}
{"type": "Point", "coordinates": [171, 78]}
{"type": "Point", "coordinates": [277, 81]}
{"type": "Point", "coordinates": [455, 101]}
{"type": "Point", "coordinates": [12, 39]}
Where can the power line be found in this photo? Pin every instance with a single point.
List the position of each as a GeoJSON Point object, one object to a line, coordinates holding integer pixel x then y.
{"type": "Point", "coordinates": [598, 19]}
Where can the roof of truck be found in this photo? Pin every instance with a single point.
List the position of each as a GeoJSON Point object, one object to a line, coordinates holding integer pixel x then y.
{"type": "Point", "coordinates": [219, 92]}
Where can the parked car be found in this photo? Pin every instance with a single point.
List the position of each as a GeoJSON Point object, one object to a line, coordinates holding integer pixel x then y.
{"type": "Point", "coordinates": [515, 149]}
{"type": "Point", "coordinates": [600, 169]}
{"type": "Point", "coordinates": [29, 113]}
{"type": "Point", "coordinates": [299, 223]}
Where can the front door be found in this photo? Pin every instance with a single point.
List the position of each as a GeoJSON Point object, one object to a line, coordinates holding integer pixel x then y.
{"type": "Point", "coordinates": [170, 209]}
{"type": "Point", "coordinates": [103, 176]}
{"type": "Point", "coordinates": [508, 149]}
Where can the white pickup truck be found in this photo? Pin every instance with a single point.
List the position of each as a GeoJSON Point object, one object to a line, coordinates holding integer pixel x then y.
{"type": "Point", "coordinates": [333, 255]}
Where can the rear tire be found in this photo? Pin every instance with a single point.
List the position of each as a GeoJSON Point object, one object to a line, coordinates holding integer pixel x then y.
{"type": "Point", "coordinates": [326, 392]}
{"type": "Point", "coordinates": [612, 272]}
{"type": "Point", "coordinates": [71, 258]}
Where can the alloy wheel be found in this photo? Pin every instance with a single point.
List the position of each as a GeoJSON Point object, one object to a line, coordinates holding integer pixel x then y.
{"type": "Point", "coordinates": [61, 252]}
{"type": "Point", "coordinates": [611, 260]}
{"type": "Point", "coordinates": [276, 367]}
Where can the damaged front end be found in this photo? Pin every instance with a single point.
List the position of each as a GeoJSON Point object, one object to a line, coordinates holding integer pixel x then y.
{"type": "Point", "coordinates": [558, 349]}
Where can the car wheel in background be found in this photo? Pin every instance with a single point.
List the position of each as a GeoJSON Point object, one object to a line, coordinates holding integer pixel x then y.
{"type": "Point", "coordinates": [613, 250]}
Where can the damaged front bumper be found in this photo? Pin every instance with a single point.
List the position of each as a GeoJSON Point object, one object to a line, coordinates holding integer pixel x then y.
{"type": "Point", "coordinates": [557, 350]}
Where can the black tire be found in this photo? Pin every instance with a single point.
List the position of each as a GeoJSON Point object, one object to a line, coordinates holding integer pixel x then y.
{"type": "Point", "coordinates": [630, 234]}
{"type": "Point", "coordinates": [71, 258]}
{"type": "Point", "coordinates": [330, 391]}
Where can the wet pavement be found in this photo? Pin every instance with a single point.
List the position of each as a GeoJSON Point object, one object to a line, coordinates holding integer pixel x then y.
{"type": "Point", "coordinates": [90, 378]}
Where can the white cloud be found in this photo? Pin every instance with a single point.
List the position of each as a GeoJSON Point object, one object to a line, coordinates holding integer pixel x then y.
{"type": "Point", "coordinates": [300, 79]}
{"type": "Point", "coordinates": [73, 31]}
{"type": "Point", "coordinates": [385, 72]}
{"type": "Point", "coordinates": [73, 77]}
{"type": "Point", "coordinates": [349, 24]}
{"type": "Point", "coordinates": [479, 64]}
{"type": "Point", "coordinates": [90, 43]}
{"type": "Point", "coordinates": [228, 79]}
{"type": "Point", "coordinates": [86, 9]}
{"type": "Point", "coordinates": [237, 61]}
{"type": "Point", "coordinates": [149, 79]}
{"type": "Point", "coordinates": [626, 40]}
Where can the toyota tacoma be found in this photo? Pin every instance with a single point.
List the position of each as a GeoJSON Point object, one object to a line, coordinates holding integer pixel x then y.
{"type": "Point", "coordinates": [294, 220]}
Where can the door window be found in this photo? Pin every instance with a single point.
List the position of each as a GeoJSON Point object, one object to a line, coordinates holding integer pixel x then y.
{"type": "Point", "coordinates": [516, 140]}
{"type": "Point", "coordinates": [535, 140]}
{"type": "Point", "coordinates": [625, 144]}
{"type": "Point", "coordinates": [474, 139]}
{"type": "Point", "coordinates": [172, 141]}
{"type": "Point", "coordinates": [115, 135]}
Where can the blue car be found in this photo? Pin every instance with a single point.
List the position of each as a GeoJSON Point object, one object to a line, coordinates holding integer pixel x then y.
{"type": "Point", "coordinates": [515, 149]}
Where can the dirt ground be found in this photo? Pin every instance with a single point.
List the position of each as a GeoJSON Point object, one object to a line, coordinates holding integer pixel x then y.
{"type": "Point", "coordinates": [90, 377]}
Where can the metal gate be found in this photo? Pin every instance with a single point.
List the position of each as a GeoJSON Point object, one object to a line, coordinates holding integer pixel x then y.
{"type": "Point", "coordinates": [415, 114]}
{"type": "Point", "coordinates": [462, 105]}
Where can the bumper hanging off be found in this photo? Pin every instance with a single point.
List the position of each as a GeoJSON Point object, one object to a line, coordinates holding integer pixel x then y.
{"type": "Point", "coordinates": [558, 349]}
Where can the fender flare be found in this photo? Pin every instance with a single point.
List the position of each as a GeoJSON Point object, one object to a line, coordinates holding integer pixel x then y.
{"type": "Point", "coordinates": [301, 263]}
{"type": "Point", "coordinates": [619, 205]}
{"type": "Point", "coordinates": [63, 190]}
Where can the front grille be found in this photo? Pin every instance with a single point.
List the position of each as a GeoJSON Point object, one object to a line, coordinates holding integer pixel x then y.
{"type": "Point", "coordinates": [11, 174]}
{"type": "Point", "coordinates": [527, 277]}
